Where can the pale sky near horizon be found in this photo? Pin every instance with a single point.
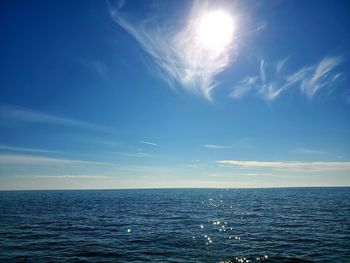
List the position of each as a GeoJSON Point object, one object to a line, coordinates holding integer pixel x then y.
{"type": "Point", "coordinates": [148, 94]}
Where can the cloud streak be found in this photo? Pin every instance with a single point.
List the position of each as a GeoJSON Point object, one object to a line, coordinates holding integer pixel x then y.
{"type": "Point", "coordinates": [20, 159]}
{"type": "Point", "coordinates": [148, 143]}
{"type": "Point", "coordinates": [137, 154]}
{"type": "Point", "coordinates": [309, 79]}
{"type": "Point", "coordinates": [290, 166]}
{"type": "Point", "coordinates": [33, 150]}
{"type": "Point", "coordinates": [14, 115]}
{"type": "Point", "coordinates": [72, 176]}
{"type": "Point", "coordinates": [308, 151]}
{"type": "Point", "coordinates": [215, 146]}
{"type": "Point", "coordinates": [172, 44]}
{"type": "Point", "coordinates": [99, 67]}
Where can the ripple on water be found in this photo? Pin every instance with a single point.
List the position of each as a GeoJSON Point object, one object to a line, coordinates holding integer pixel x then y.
{"type": "Point", "coordinates": [285, 225]}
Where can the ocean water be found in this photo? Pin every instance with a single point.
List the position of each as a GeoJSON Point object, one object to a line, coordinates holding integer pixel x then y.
{"type": "Point", "coordinates": [177, 225]}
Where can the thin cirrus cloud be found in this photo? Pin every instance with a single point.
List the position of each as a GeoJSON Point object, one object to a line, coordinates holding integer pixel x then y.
{"type": "Point", "coordinates": [27, 159]}
{"type": "Point", "coordinates": [32, 150]}
{"type": "Point", "coordinates": [148, 143]}
{"type": "Point", "coordinates": [97, 66]}
{"type": "Point", "coordinates": [72, 176]}
{"type": "Point", "coordinates": [308, 151]}
{"type": "Point", "coordinates": [137, 154]}
{"type": "Point", "coordinates": [309, 79]}
{"type": "Point", "coordinates": [290, 166]}
{"type": "Point", "coordinates": [180, 60]}
{"type": "Point", "coordinates": [10, 115]}
{"type": "Point", "coordinates": [215, 146]}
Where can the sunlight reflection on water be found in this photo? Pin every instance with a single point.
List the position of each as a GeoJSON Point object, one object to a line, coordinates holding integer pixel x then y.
{"type": "Point", "coordinates": [273, 225]}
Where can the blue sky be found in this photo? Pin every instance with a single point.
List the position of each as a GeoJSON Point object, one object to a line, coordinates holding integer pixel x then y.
{"type": "Point", "coordinates": [122, 94]}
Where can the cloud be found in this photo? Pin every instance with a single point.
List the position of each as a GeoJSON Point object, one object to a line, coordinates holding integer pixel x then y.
{"type": "Point", "coordinates": [214, 146]}
{"type": "Point", "coordinates": [72, 176]}
{"type": "Point", "coordinates": [99, 67]}
{"type": "Point", "coordinates": [259, 174]}
{"type": "Point", "coordinates": [19, 159]}
{"type": "Point", "coordinates": [96, 66]}
{"type": "Point", "coordinates": [321, 76]}
{"type": "Point", "coordinates": [215, 175]}
{"type": "Point", "coordinates": [173, 45]}
{"type": "Point", "coordinates": [308, 151]}
{"type": "Point", "coordinates": [244, 86]}
{"type": "Point", "coordinates": [291, 166]}
{"type": "Point", "coordinates": [310, 79]}
{"type": "Point", "coordinates": [280, 64]}
{"type": "Point", "coordinates": [191, 165]}
{"type": "Point", "coordinates": [148, 143]}
{"type": "Point", "coordinates": [120, 3]}
{"type": "Point", "coordinates": [10, 115]}
{"type": "Point", "coordinates": [34, 150]}
{"type": "Point", "coordinates": [138, 154]}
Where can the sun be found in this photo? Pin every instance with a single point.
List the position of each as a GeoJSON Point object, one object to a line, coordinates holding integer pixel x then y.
{"type": "Point", "coordinates": [214, 31]}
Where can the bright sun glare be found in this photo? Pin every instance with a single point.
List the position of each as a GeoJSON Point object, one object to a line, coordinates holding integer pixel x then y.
{"type": "Point", "coordinates": [214, 31]}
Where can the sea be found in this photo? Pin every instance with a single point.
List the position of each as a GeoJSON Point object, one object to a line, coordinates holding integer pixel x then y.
{"type": "Point", "coordinates": [176, 225]}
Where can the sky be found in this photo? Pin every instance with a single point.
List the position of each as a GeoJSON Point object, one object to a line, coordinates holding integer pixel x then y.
{"type": "Point", "coordinates": [169, 94]}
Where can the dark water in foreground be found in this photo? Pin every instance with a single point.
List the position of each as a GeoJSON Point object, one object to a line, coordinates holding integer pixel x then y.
{"type": "Point", "coordinates": [260, 225]}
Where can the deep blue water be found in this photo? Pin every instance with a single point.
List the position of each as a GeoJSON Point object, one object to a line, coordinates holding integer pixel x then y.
{"type": "Point", "coordinates": [192, 225]}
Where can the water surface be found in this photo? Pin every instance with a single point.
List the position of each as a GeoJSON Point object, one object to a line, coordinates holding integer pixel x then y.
{"type": "Point", "coordinates": [177, 225]}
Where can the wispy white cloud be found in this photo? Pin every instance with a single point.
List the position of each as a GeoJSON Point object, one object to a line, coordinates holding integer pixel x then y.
{"type": "Point", "coordinates": [321, 76]}
{"type": "Point", "coordinates": [71, 176]}
{"type": "Point", "coordinates": [280, 64]}
{"type": "Point", "coordinates": [310, 79]}
{"type": "Point", "coordinates": [33, 150]}
{"type": "Point", "coordinates": [244, 86]}
{"type": "Point", "coordinates": [103, 142]}
{"type": "Point", "coordinates": [174, 47]}
{"type": "Point", "coordinates": [308, 151]}
{"type": "Point", "coordinates": [99, 67]}
{"type": "Point", "coordinates": [259, 174]}
{"type": "Point", "coordinates": [215, 146]}
{"type": "Point", "coordinates": [10, 115]}
{"type": "Point", "coordinates": [215, 175]}
{"type": "Point", "coordinates": [148, 143]}
{"type": "Point", "coordinates": [290, 166]}
{"type": "Point", "coordinates": [20, 159]}
{"type": "Point", "coordinates": [120, 3]}
{"type": "Point", "coordinates": [138, 154]}
{"type": "Point", "coordinates": [144, 154]}
{"type": "Point", "coordinates": [95, 66]}
{"type": "Point", "coordinates": [263, 71]}
{"type": "Point", "coordinates": [191, 165]}
{"type": "Point", "coordinates": [277, 174]}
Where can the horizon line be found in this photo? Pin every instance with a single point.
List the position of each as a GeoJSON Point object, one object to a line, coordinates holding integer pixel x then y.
{"type": "Point", "coordinates": [176, 188]}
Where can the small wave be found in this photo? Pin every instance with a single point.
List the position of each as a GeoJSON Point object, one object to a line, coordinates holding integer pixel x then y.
{"type": "Point", "coordinates": [265, 258]}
